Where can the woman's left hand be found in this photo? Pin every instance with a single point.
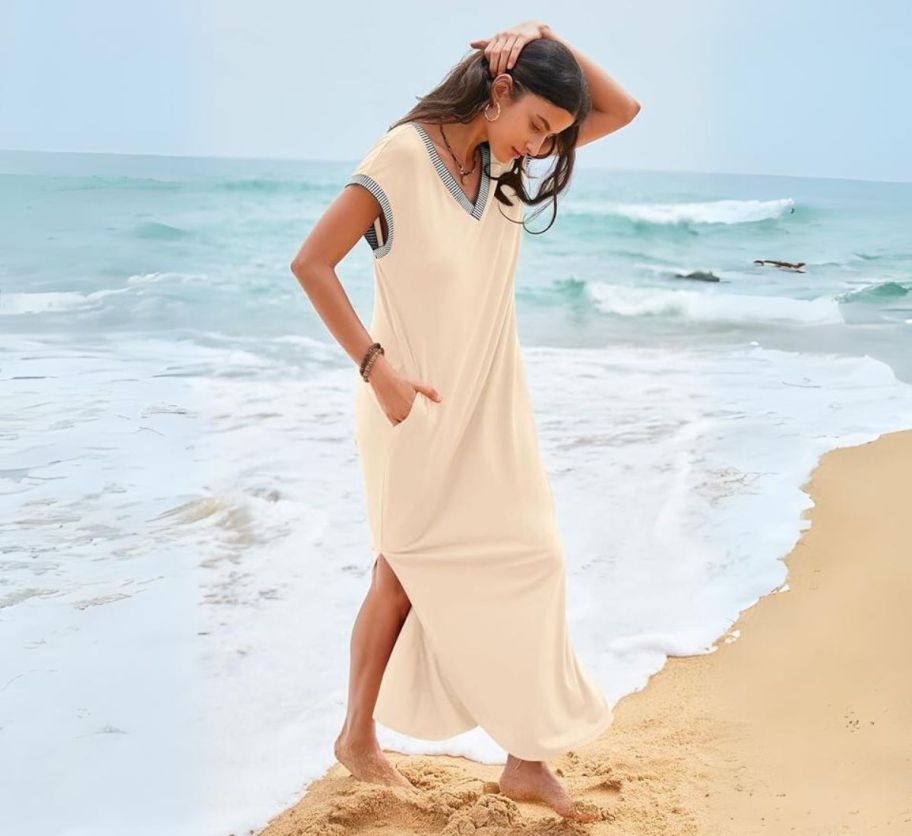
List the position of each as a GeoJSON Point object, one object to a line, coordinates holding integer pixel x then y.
{"type": "Point", "coordinates": [503, 49]}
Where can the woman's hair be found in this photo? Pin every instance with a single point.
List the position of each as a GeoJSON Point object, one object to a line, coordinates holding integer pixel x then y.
{"type": "Point", "coordinates": [544, 67]}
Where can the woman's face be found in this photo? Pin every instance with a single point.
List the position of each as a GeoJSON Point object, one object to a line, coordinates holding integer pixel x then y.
{"type": "Point", "coordinates": [526, 126]}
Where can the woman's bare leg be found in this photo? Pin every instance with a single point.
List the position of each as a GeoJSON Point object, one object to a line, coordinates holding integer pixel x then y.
{"type": "Point", "coordinates": [533, 781]}
{"type": "Point", "coordinates": [376, 629]}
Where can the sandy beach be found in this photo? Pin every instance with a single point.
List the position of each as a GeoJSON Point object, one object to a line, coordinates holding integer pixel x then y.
{"type": "Point", "coordinates": [799, 722]}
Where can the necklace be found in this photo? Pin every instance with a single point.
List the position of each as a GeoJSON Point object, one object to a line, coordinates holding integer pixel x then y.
{"type": "Point", "coordinates": [463, 172]}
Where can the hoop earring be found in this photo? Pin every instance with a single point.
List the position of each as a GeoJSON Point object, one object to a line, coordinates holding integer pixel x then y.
{"type": "Point", "coordinates": [486, 113]}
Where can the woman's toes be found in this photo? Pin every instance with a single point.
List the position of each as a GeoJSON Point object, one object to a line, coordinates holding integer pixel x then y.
{"type": "Point", "coordinates": [584, 812]}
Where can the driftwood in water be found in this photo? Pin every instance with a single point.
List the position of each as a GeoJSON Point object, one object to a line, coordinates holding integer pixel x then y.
{"type": "Point", "coordinates": [782, 265]}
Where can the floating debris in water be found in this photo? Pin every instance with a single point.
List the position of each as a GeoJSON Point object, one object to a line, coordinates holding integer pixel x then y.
{"type": "Point", "coordinates": [698, 275]}
{"type": "Point", "coordinates": [782, 265]}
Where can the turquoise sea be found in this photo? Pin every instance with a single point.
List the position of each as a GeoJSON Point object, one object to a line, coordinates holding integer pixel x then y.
{"type": "Point", "coordinates": [182, 529]}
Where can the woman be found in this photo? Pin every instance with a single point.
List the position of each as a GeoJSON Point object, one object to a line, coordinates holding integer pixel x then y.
{"type": "Point", "coordinates": [464, 623]}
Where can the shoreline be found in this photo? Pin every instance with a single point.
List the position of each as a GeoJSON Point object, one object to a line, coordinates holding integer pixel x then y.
{"type": "Point", "coordinates": [800, 721]}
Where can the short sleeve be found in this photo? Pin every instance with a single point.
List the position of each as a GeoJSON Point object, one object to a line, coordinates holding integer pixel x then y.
{"type": "Point", "coordinates": [377, 172]}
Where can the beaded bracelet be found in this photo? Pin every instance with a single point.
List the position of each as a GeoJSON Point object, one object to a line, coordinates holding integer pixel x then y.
{"type": "Point", "coordinates": [370, 363]}
{"type": "Point", "coordinates": [372, 349]}
{"type": "Point", "coordinates": [369, 359]}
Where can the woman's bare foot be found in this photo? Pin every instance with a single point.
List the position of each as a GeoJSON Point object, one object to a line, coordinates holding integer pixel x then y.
{"type": "Point", "coordinates": [366, 762]}
{"type": "Point", "coordinates": [533, 781]}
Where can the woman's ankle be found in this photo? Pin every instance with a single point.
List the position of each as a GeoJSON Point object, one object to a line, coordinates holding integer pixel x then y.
{"type": "Point", "coordinates": [514, 764]}
{"type": "Point", "coordinates": [356, 730]}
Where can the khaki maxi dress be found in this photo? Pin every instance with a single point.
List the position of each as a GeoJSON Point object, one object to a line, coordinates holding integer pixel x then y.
{"type": "Point", "coordinates": [458, 500]}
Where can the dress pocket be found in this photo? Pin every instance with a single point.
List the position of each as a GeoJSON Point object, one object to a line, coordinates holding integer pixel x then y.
{"type": "Point", "coordinates": [411, 414]}
{"type": "Point", "coordinates": [405, 477]}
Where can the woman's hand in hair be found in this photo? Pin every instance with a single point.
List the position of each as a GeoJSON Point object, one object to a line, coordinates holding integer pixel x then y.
{"type": "Point", "coordinates": [503, 48]}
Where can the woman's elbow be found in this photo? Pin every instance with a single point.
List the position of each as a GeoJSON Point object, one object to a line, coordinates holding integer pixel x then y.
{"type": "Point", "coordinates": [302, 268]}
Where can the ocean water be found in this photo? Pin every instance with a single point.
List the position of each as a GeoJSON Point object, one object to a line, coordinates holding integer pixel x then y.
{"type": "Point", "coordinates": [184, 544]}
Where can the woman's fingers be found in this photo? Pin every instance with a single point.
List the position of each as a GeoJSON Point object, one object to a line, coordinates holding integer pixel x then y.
{"type": "Point", "coordinates": [423, 388]}
{"type": "Point", "coordinates": [499, 57]}
{"type": "Point", "coordinates": [428, 390]}
{"type": "Point", "coordinates": [518, 45]}
{"type": "Point", "coordinates": [501, 51]}
{"type": "Point", "coordinates": [508, 53]}
{"type": "Point", "coordinates": [491, 55]}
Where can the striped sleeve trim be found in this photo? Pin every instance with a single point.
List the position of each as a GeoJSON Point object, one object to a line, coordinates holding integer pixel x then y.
{"type": "Point", "coordinates": [376, 190]}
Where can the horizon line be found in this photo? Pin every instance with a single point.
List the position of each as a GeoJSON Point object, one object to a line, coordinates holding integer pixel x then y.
{"type": "Point", "coordinates": [581, 166]}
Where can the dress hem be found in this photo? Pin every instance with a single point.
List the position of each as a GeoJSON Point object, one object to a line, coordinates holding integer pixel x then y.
{"type": "Point", "coordinates": [540, 754]}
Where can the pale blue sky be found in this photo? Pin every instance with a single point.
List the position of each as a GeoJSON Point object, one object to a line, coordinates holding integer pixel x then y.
{"type": "Point", "coordinates": [755, 86]}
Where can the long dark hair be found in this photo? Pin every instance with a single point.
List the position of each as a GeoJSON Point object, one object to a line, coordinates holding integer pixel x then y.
{"type": "Point", "coordinates": [544, 67]}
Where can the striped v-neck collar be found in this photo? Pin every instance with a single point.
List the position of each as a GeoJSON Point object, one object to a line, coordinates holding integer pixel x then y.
{"type": "Point", "coordinates": [474, 209]}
